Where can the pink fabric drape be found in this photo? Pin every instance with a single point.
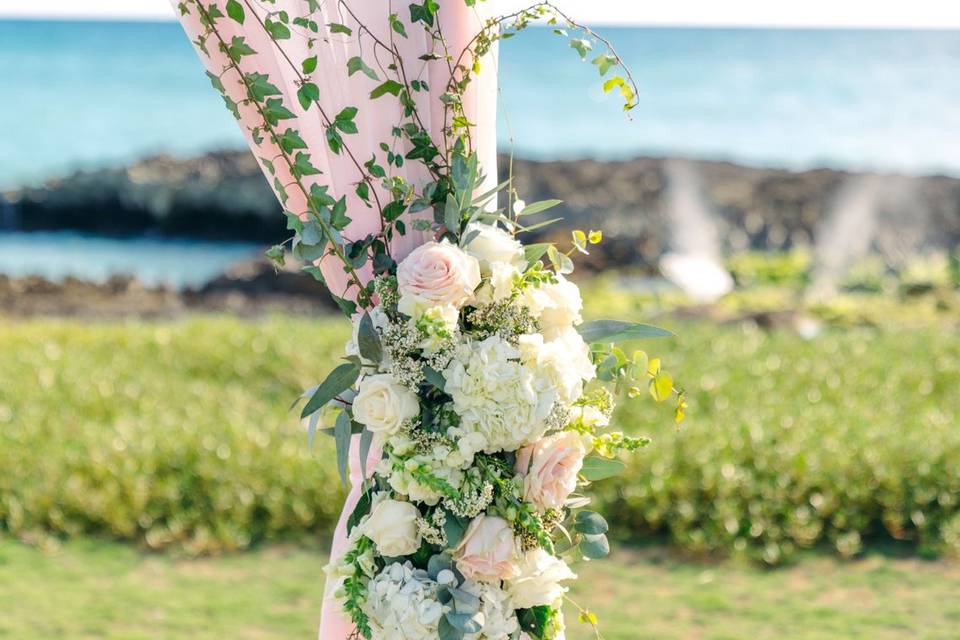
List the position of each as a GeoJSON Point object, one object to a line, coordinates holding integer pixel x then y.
{"type": "Point", "coordinates": [375, 121]}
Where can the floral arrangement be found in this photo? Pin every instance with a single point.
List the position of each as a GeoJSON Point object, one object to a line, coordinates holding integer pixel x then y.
{"type": "Point", "coordinates": [477, 378]}
{"type": "Point", "coordinates": [471, 384]}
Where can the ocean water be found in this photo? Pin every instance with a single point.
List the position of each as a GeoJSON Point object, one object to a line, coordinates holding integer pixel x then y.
{"type": "Point", "coordinates": [86, 94]}
{"type": "Point", "coordinates": [175, 263]}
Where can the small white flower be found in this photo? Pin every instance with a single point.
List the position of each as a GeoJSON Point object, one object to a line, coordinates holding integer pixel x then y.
{"type": "Point", "coordinates": [518, 206]}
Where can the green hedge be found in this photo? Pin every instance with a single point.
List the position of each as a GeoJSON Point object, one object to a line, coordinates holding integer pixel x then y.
{"type": "Point", "coordinates": [178, 434]}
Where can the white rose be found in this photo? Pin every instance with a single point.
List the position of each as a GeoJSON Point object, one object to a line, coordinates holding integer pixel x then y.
{"type": "Point", "coordinates": [383, 405]}
{"type": "Point", "coordinates": [436, 274]}
{"type": "Point", "coordinates": [538, 582]}
{"type": "Point", "coordinates": [392, 526]}
{"type": "Point", "coordinates": [490, 244]}
{"type": "Point", "coordinates": [557, 306]}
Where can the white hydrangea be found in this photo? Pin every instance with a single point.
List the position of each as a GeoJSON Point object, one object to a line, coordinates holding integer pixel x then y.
{"type": "Point", "coordinates": [499, 619]}
{"type": "Point", "coordinates": [441, 461]}
{"type": "Point", "coordinates": [502, 403]}
{"type": "Point", "coordinates": [402, 604]}
{"type": "Point", "coordinates": [556, 306]}
{"type": "Point", "coordinates": [565, 360]}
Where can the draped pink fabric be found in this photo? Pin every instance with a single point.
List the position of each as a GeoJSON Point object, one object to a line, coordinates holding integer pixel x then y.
{"type": "Point", "coordinates": [375, 120]}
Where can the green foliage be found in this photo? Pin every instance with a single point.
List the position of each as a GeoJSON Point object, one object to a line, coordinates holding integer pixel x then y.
{"type": "Point", "coordinates": [179, 434]}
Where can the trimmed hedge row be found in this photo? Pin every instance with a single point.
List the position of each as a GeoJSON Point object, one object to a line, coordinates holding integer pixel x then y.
{"type": "Point", "coordinates": [178, 434]}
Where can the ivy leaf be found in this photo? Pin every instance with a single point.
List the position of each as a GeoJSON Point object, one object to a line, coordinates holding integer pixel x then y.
{"type": "Point", "coordinates": [338, 215]}
{"type": "Point", "coordinates": [216, 82]}
{"type": "Point", "coordinates": [617, 330]}
{"type": "Point", "coordinates": [339, 380]}
{"type": "Point", "coordinates": [613, 83]}
{"type": "Point", "coordinates": [396, 25]}
{"type": "Point", "coordinates": [604, 61]}
{"type": "Point", "coordinates": [238, 48]}
{"type": "Point", "coordinates": [310, 65]}
{"type": "Point", "coordinates": [356, 63]}
{"type": "Point", "coordinates": [334, 140]}
{"type": "Point", "coordinates": [308, 94]}
{"type": "Point", "coordinates": [344, 120]}
{"type": "Point", "coordinates": [303, 167]}
{"type": "Point", "coordinates": [291, 140]}
{"type": "Point", "coordinates": [423, 13]}
{"type": "Point", "coordinates": [596, 468]}
{"type": "Point", "coordinates": [259, 86]}
{"type": "Point", "coordinates": [235, 11]}
{"type": "Point", "coordinates": [277, 30]}
{"type": "Point", "coordinates": [274, 111]}
{"type": "Point", "coordinates": [390, 86]}
{"type": "Point", "coordinates": [336, 27]}
{"type": "Point", "coordinates": [582, 46]}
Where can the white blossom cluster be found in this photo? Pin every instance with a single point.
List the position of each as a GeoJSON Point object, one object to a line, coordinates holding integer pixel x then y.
{"type": "Point", "coordinates": [473, 386]}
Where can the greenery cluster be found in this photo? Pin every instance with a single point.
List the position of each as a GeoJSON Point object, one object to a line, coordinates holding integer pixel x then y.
{"type": "Point", "coordinates": [151, 432]}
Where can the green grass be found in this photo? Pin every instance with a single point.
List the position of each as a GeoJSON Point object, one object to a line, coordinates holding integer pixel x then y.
{"type": "Point", "coordinates": [178, 434]}
{"type": "Point", "coordinates": [94, 589]}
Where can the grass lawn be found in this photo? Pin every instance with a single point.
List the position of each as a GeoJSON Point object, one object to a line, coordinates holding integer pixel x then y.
{"type": "Point", "coordinates": [92, 589]}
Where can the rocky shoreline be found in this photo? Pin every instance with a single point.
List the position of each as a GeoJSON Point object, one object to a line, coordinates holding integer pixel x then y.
{"type": "Point", "coordinates": [645, 206]}
{"type": "Point", "coordinates": [641, 204]}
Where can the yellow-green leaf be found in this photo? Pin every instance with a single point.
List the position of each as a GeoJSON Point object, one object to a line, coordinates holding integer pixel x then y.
{"type": "Point", "coordinates": [661, 386]}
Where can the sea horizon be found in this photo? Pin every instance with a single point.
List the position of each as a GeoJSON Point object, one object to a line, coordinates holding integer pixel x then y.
{"type": "Point", "coordinates": [870, 99]}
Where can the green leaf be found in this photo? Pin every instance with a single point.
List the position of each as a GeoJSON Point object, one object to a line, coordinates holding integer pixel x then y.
{"type": "Point", "coordinates": [617, 330]}
{"type": "Point", "coordinates": [604, 61]}
{"type": "Point", "coordinates": [562, 263]}
{"type": "Point", "coordinates": [590, 522]}
{"type": "Point", "coordinates": [397, 26]}
{"type": "Point", "coordinates": [276, 255]}
{"type": "Point", "coordinates": [336, 27]}
{"type": "Point", "coordinates": [368, 340]}
{"type": "Point", "coordinates": [339, 380]}
{"type": "Point", "coordinates": [259, 86]}
{"type": "Point", "coordinates": [310, 64]}
{"type": "Point", "coordinates": [303, 167]}
{"type": "Point", "coordinates": [274, 111]}
{"type": "Point", "coordinates": [344, 120]}
{"type": "Point", "coordinates": [422, 13]}
{"type": "Point", "coordinates": [356, 63]}
{"type": "Point", "coordinates": [308, 94]}
{"type": "Point", "coordinates": [582, 46]}
{"type": "Point", "coordinates": [454, 527]}
{"type": "Point", "coordinates": [290, 140]}
{"type": "Point", "coordinates": [533, 252]}
{"type": "Point", "coordinates": [580, 241]}
{"type": "Point", "coordinates": [341, 434]}
{"type": "Point", "coordinates": [238, 48]}
{"type": "Point", "coordinates": [235, 11]}
{"type": "Point", "coordinates": [277, 30]}
{"type": "Point", "coordinates": [366, 440]}
{"type": "Point", "coordinates": [596, 468]}
{"type": "Point", "coordinates": [216, 82]}
{"type": "Point", "coordinates": [539, 207]}
{"type": "Point", "coordinates": [595, 546]}
{"type": "Point", "coordinates": [613, 83]}
{"type": "Point", "coordinates": [390, 86]}
{"type": "Point", "coordinates": [451, 214]}
{"type": "Point", "coordinates": [434, 377]}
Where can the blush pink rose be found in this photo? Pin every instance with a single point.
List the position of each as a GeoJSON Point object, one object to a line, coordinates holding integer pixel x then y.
{"type": "Point", "coordinates": [436, 274]}
{"type": "Point", "coordinates": [488, 551]}
{"type": "Point", "coordinates": [549, 468]}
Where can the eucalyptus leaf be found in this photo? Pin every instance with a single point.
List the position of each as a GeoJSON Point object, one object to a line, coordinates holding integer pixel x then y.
{"type": "Point", "coordinates": [339, 380]}
{"type": "Point", "coordinates": [595, 546]}
{"type": "Point", "coordinates": [465, 602]}
{"type": "Point", "coordinates": [466, 622]}
{"type": "Point", "coordinates": [366, 440]}
{"type": "Point", "coordinates": [454, 527]}
{"type": "Point", "coordinates": [597, 468]}
{"type": "Point", "coordinates": [590, 522]}
{"type": "Point", "coordinates": [434, 377]}
{"type": "Point", "coordinates": [438, 563]}
{"type": "Point", "coordinates": [341, 433]}
{"type": "Point", "coordinates": [446, 631]}
{"type": "Point", "coordinates": [539, 207]}
{"type": "Point", "coordinates": [617, 330]}
{"type": "Point", "coordinates": [368, 340]}
{"type": "Point", "coordinates": [533, 252]}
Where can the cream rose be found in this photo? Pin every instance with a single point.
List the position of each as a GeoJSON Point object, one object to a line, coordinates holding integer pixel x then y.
{"type": "Point", "coordinates": [383, 405]}
{"type": "Point", "coordinates": [490, 244]}
{"type": "Point", "coordinates": [392, 526]}
{"type": "Point", "coordinates": [488, 551]}
{"type": "Point", "coordinates": [538, 580]}
{"type": "Point", "coordinates": [549, 468]}
{"type": "Point", "coordinates": [436, 274]}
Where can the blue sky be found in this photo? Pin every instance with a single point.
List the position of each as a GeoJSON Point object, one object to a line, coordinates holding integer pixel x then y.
{"type": "Point", "coordinates": [828, 13]}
